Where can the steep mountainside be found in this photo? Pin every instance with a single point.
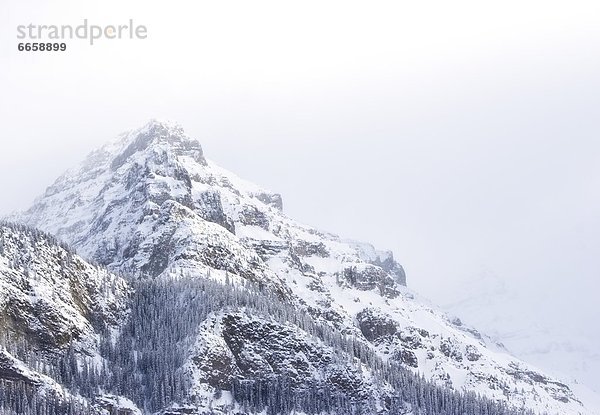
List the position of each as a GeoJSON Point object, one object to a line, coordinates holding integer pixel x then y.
{"type": "Point", "coordinates": [52, 297]}
{"type": "Point", "coordinates": [151, 205]}
{"type": "Point", "coordinates": [54, 306]}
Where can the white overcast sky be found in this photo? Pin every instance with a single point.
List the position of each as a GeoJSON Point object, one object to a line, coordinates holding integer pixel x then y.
{"type": "Point", "coordinates": [462, 135]}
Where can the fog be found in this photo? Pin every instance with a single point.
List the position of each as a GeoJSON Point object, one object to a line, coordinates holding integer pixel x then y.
{"type": "Point", "coordinates": [461, 135]}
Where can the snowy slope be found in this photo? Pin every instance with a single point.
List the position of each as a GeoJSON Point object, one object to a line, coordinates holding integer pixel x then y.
{"type": "Point", "coordinates": [151, 204]}
{"type": "Point", "coordinates": [512, 317]}
{"type": "Point", "coordinates": [53, 304]}
{"type": "Point", "coordinates": [51, 296]}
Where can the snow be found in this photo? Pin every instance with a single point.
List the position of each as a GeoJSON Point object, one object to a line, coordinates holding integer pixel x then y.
{"type": "Point", "coordinates": [126, 207]}
{"type": "Point", "coordinates": [119, 402]}
{"type": "Point", "coordinates": [45, 383]}
{"type": "Point", "coordinates": [66, 292]}
{"type": "Point", "coordinates": [255, 232]}
{"type": "Point", "coordinates": [568, 354]}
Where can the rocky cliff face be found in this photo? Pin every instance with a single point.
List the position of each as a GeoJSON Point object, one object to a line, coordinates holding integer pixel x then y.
{"type": "Point", "coordinates": [52, 304]}
{"type": "Point", "coordinates": [244, 349]}
{"type": "Point", "coordinates": [50, 296]}
{"type": "Point", "coordinates": [150, 204]}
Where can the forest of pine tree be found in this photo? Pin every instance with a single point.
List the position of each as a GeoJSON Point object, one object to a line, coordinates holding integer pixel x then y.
{"type": "Point", "coordinates": [144, 361]}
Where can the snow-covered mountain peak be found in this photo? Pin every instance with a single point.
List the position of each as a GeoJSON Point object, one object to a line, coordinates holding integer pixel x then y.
{"type": "Point", "coordinates": [155, 130]}
{"type": "Point", "coordinates": [157, 135]}
{"type": "Point", "coordinates": [150, 204]}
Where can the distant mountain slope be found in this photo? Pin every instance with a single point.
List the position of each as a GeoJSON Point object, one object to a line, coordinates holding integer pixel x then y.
{"type": "Point", "coordinates": [513, 318]}
{"type": "Point", "coordinates": [151, 205]}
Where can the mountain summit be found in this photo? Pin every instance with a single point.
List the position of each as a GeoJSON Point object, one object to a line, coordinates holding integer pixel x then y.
{"type": "Point", "coordinates": [302, 311]}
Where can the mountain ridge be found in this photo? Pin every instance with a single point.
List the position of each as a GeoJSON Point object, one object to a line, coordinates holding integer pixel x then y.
{"type": "Point", "coordinates": [150, 205]}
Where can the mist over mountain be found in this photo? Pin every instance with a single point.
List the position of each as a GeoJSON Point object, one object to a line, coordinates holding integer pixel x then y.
{"type": "Point", "coordinates": [566, 348]}
{"type": "Point", "coordinates": [220, 303]}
